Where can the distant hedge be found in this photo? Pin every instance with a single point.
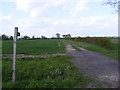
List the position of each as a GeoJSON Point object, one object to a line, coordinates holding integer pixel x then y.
{"type": "Point", "coordinates": [100, 41]}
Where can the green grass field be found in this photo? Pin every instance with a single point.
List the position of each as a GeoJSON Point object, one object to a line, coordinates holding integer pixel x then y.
{"type": "Point", "coordinates": [112, 51]}
{"type": "Point", "coordinates": [34, 47]}
{"type": "Point", "coordinates": [53, 72]}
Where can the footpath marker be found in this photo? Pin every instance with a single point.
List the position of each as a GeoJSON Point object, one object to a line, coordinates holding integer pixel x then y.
{"type": "Point", "coordinates": [16, 33]}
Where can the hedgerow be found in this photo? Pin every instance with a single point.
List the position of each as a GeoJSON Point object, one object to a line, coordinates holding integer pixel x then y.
{"type": "Point", "coordinates": [100, 41]}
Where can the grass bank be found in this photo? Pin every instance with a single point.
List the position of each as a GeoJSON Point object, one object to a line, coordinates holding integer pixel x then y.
{"type": "Point", "coordinates": [55, 72]}
{"type": "Point", "coordinates": [112, 51]}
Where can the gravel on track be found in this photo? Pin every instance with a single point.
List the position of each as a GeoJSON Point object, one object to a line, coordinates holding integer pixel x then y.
{"type": "Point", "coordinates": [95, 65]}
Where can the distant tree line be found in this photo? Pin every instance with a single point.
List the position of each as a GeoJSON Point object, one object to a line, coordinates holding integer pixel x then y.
{"type": "Point", "coordinates": [63, 36]}
{"type": "Point", "coordinates": [5, 37]}
{"type": "Point", "coordinates": [26, 37]}
{"type": "Point", "coordinates": [33, 37]}
{"type": "Point", "coordinates": [66, 36]}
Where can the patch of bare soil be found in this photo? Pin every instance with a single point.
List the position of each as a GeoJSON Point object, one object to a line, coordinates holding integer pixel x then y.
{"type": "Point", "coordinates": [23, 56]}
{"type": "Point", "coordinates": [69, 48]}
{"type": "Point", "coordinates": [80, 48]}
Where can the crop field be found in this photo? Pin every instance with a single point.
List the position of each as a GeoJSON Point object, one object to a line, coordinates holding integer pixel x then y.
{"type": "Point", "coordinates": [34, 47]}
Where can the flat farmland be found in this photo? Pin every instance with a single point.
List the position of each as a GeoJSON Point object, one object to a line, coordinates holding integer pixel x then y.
{"type": "Point", "coordinates": [34, 47]}
{"type": "Point", "coordinates": [52, 72]}
{"type": "Point", "coordinates": [59, 71]}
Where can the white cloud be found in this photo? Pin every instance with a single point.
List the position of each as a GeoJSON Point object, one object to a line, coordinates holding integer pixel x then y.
{"type": "Point", "coordinates": [73, 6]}
{"type": "Point", "coordinates": [87, 21]}
{"type": "Point", "coordinates": [26, 5]}
{"type": "Point", "coordinates": [7, 0]}
{"type": "Point", "coordinates": [9, 17]}
{"type": "Point", "coordinates": [5, 18]}
{"type": "Point", "coordinates": [0, 16]}
{"type": "Point", "coordinates": [22, 5]}
{"type": "Point", "coordinates": [49, 26]}
{"type": "Point", "coordinates": [35, 12]}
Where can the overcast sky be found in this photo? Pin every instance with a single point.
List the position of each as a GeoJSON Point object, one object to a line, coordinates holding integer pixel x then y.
{"type": "Point", "coordinates": [48, 17]}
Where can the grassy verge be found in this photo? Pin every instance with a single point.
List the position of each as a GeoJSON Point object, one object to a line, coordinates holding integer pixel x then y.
{"type": "Point", "coordinates": [112, 51]}
{"type": "Point", "coordinates": [55, 72]}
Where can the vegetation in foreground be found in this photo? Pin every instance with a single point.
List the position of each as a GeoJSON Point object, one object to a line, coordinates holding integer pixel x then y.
{"type": "Point", "coordinates": [34, 47]}
{"type": "Point", "coordinates": [55, 72]}
{"type": "Point", "coordinates": [112, 51]}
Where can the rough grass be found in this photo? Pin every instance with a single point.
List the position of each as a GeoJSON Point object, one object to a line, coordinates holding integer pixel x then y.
{"type": "Point", "coordinates": [55, 72]}
{"type": "Point", "coordinates": [112, 51]}
{"type": "Point", "coordinates": [34, 47]}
